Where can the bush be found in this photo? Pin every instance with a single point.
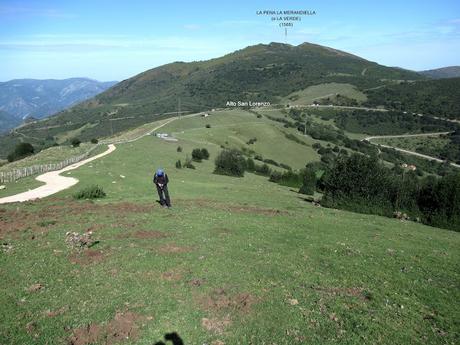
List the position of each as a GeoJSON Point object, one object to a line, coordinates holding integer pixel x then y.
{"type": "Point", "coordinates": [250, 165]}
{"type": "Point", "coordinates": [21, 150]}
{"type": "Point", "coordinates": [188, 163]}
{"type": "Point", "coordinates": [263, 169]}
{"type": "Point", "coordinates": [285, 166]}
{"type": "Point", "coordinates": [208, 126]}
{"type": "Point", "coordinates": [308, 182]}
{"type": "Point", "coordinates": [179, 164]}
{"type": "Point", "coordinates": [91, 192]}
{"type": "Point", "coordinates": [75, 142]}
{"type": "Point", "coordinates": [272, 162]}
{"type": "Point", "coordinates": [197, 155]}
{"type": "Point", "coordinates": [204, 154]}
{"type": "Point", "coordinates": [94, 141]}
{"type": "Point", "coordinates": [251, 141]}
{"type": "Point", "coordinates": [230, 162]}
{"type": "Point", "coordinates": [179, 149]}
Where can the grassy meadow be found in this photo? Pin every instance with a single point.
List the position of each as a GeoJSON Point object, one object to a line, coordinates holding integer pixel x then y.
{"type": "Point", "coordinates": [234, 261]}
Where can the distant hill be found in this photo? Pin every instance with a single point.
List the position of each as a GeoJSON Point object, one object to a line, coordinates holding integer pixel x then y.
{"type": "Point", "coordinates": [24, 98]}
{"type": "Point", "coordinates": [445, 72]}
{"type": "Point", "coordinates": [264, 72]}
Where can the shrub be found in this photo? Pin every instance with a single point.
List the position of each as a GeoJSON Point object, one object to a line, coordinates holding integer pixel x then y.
{"type": "Point", "coordinates": [197, 155]}
{"type": "Point", "coordinates": [285, 166]}
{"type": "Point", "coordinates": [188, 163]}
{"type": "Point", "coordinates": [204, 154]}
{"type": "Point", "coordinates": [179, 149]}
{"type": "Point", "coordinates": [308, 182]}
{"type": "Point", "coordinates": [259, 116]}
{"type": "Point", "coordinates": [208, 126]}
{"type": "Point", "coordinates": [91, 192]}
{"type": "Point", "coordinates": [21, 150]}
{"type": "Point", "coordinates": [230, 162]}
{"type": "Point", "coordinates": [263, 169]}
{"type": "Point", "coordinates": [179, 164]}
{"type": "Point", "coordinates": [251, 141]}
{"type": "Point", "coordinates": [250, 165]}
{"type": "Point", "coordinates": [272, 162]}
{"type": "Point", "coordinates": [275, 176]}
{"type": "Point", "coordinates": [94, 141]}
{"type": "Point", "coordinates": [75, 142]}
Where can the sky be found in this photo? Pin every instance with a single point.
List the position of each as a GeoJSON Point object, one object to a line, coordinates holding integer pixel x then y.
{"type": "Point", "coordinates": [115, 40]}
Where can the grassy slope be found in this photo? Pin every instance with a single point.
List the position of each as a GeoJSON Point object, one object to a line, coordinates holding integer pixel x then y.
{"type": "Point", "coordinates": [311, 93]}
{"type": "Point", "coordinates": [227, 257]}
{"type": "Point", "coordinates": [48, 156]}
{"type": "Point", "coordinates": [257, 73]}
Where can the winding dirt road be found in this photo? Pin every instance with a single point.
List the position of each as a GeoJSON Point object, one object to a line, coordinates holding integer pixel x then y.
{"type": "Point", "coordinates": [53, 181]}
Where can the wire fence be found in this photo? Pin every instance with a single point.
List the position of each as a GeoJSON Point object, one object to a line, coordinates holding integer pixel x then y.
{"type": "Point", "coordinates": [16, 174]}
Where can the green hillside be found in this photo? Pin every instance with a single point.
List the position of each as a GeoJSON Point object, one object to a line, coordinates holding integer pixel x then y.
{"type": "Point", "coordinates": [234, 261]}
{"type": "Point", "coordinates": [257, 73]}
{"type": "Point", "coordinates": [430, 97]}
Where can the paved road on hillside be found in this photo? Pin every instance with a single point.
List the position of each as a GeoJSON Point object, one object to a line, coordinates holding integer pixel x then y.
{"type": "Point", "coordinates": [55, 183]}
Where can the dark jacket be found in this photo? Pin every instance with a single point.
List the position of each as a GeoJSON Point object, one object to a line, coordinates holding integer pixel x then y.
{"type": "Point", "coordinates": [161, 179]}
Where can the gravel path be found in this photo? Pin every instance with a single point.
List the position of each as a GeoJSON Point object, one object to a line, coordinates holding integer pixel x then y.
{"type": "Point", "coordinates": [53, 181]}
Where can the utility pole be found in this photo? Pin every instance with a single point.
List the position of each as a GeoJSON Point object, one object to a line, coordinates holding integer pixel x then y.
{"type": "Point", "coordinates": [178, 108]}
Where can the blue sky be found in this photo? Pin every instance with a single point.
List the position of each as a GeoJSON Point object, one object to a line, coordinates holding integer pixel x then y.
{"type": "Point", "coordinates": [114, 40]}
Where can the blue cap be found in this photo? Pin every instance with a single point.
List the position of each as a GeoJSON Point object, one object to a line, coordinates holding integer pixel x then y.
{"type": "Point", "coordinates": [160, 172]}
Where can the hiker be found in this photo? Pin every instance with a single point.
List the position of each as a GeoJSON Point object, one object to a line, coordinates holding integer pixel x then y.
{"type": "Point", "coordinates": [161, 181]}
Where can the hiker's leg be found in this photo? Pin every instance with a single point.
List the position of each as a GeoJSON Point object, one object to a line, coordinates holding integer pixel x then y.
{"type": "Point", "coordinates": [160, 195]}
{"type": "Point", "coordinates": [168, 201]}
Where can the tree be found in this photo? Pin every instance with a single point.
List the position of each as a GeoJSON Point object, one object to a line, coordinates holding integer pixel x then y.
{"type": "Point", "coordinates": [20, 151]}
{"type": "Point", "coordinates": [204, 153]}
{"type": "Point", "coordinates": [197, 155]}
{"type": "Point", "coordinates": [75, 142]}
{"type": "Point", "coordinates": [308, 182]}
{"type": "Point", "coordinates": [230, 162]}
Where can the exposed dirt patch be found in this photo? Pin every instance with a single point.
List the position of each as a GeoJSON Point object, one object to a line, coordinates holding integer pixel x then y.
{"type": "Point", "coordinates": [87, 257]}
{"type": "Point", "coordinates": [234, 208]}
{"type": "Point", "coordinates": [35, 287]}
{"type": "Point", "coordinates": [173, 249]}
{"type": "Point", "coordinates": [172, 276]}
{"type": "Point", "coordinates": [348, 292]}
{"type": "Point", "coordinates": [18, 221]}
{"type": "Point", "coordinates": [53, 313]}
{"type": "Point", "coordinates": [123, 327]}
{"type": "Point", "coordinates": [196, 282]}
{"type": "Point", "coordinates": [143, 234]}
{"type": "Point", "coordinates": [220, 300]}
{"type": "Point", "coordinates": [215, 325]}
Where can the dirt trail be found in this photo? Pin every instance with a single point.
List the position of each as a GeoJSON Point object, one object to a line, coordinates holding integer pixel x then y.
{"type": "Point", "coordinates": [55, 183]}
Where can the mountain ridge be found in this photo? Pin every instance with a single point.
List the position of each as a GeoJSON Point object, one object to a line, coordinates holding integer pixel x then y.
{"type": "Point", "coordinates": [262, 72]}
